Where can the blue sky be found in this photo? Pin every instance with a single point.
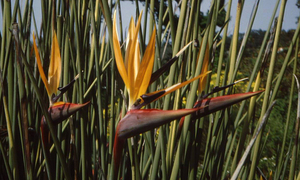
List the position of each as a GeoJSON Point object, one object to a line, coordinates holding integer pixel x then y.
{"type": "Point", "coordinates": [264, 13]}
{"type": "Point", "coordinates": [261, 22]}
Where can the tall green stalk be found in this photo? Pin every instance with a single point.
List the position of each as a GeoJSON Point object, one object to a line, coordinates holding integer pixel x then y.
{"type": "Point", "coordinates": [268, 88]}
{"type": "Point", "coordinates": [233, 53]}
{"type": "Point", "coordinates": [23, 103]}
{"type": "Point", "coordinates": [295, 147]}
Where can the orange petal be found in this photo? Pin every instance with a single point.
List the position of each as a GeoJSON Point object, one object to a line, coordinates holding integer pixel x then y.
{"type": "Point", "coordinates": [145, 71]}
{"type": "Point", "coordinates": [129, 41]}
{"type": "Point", "coordinates": [54, 72]}
{"type": "Point", "coordinates": [137, 59]}
{"type": "Point", "coordinates": [40, 67]}
{"type": "Point", "coordinates": [174, 87]}
{"type": "Point", "coordinates": [204, 69]}
{"type": "Point", "coordinates": [131, 58]}
{"type": "Point", "coordinates": [136, 47]}
{"type": "Point", "coordinates": [129, 67]}
{"type": "Point", "coordinates": [118, 54]}
{"type": "Point", "coordinates": [179, 85]}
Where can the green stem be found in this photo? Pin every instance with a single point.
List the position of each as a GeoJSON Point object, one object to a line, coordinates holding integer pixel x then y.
{"type": "Point", "coordinates": [267, 89]}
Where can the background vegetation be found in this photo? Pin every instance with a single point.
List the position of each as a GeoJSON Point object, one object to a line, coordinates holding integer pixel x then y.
{"type": "Point", "coordinates": [208, 148]}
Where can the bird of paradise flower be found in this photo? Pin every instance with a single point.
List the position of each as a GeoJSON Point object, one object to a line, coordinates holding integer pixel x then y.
{"type": "Point", "coordinates": [137, 75]}
{"type": "Point", "coordinates": [58, 111]}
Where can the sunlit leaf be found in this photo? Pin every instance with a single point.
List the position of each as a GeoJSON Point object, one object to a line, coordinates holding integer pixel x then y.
{"type": "Point", "coordinates": [204, 69]}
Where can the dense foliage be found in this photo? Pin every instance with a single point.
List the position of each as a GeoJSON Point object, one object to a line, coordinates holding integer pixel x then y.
{"type": "Point", "coordinates": [112, 117]}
